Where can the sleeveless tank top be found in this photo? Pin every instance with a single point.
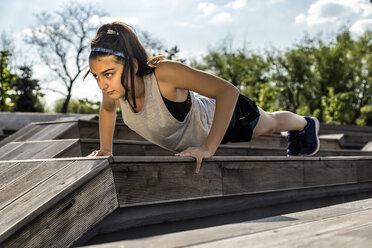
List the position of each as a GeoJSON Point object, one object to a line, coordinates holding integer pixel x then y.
{"type": "Point", "coordinates": [156, 124]}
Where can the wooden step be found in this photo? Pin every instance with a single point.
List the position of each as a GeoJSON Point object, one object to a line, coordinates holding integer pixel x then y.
{"type": "Point", "coordinates": [367, 147]}
{"type": "Point", "coordinates": [341, 225]}
{"type": "Point", "coordinates": [226, 184]}
{"type": "Point", "coordinates": [142, 180]}
{"type": "Point", "coordinates": [145, 148]}
{"type": "Point", "coordinates": [52, 202]}
{"type": "Point", "coordinates": [346, 129]}
{"type": "Point", "coordinates": [44, 131]}
{"type": "Point", "coordinates": [40, 149]}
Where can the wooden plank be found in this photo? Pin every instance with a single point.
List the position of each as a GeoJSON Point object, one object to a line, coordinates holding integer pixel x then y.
{"type": "Point", "coordinates": [348, 230]}
{"type": "Point", "coordinates": [108, 158]}
{"type": "Point", "coordinates": [21, 134]}
{"type": "Point", "coordinates": [215, 234]}
{"type": "Point", "coordinates": [167, 159]}
{"type": "Point", "coordinates": [25, 177]}
{"type": "Point", "coordinates": [39, 149]}
{"type": "Point", "coordinates": [150, 183]}
{"type": "Point", "coordinates": [52, 131]}
{"type": "Point", "coordinates": [141, 180]}
{"type": "Point", "coordinates": [90, 129]}
{"type": "Point", "coordinates": [241, 177]}
{"type": "Point", "coordinates": [45, 195]}
{"type": "Point", "coordinates": [329, 172]}
{"type": "Point", "coordinates": [364, 170]}
{"type": "Point", "coordinates": [74, 150]}
{"type": "Point", "coordinates": [7, 149]}
{"type": "Point", "coordinates": [68, 219]}
{"type": "Point", "coordinates": [334, 128]}
{"type": "Point", "coordinates": [367, 147]}
{"type": "Point", "coordinates": [6, 166]}
{"type": "Point", "coordinates": [253, 206]}
{"type": "Point", "coordinates": [145, 148]}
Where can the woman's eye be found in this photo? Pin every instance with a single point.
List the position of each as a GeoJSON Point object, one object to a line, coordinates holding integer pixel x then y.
{"type": "Point", "coordinates": [108, 75]}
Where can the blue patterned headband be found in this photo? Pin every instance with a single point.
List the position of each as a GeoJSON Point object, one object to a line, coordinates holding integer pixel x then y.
{"type": "Point", "coordinates": [97, 49]}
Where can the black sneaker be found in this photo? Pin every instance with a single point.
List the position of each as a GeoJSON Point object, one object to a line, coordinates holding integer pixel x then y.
{"type": "Point", "coordinates": [309, 140]}
{"type": "Point", "coordinates": [293, 139]}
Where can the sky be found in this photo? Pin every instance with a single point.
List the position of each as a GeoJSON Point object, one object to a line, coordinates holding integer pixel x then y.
{"type": "Point", "coordinates": [196, 25]}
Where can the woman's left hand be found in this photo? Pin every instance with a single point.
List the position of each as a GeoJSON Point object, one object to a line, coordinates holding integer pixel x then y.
{"type": "Point", "coordinates": [197, 152]}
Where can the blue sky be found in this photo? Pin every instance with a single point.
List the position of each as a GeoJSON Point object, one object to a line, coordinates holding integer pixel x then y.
{"type": "Point", "coordinates": [196, 25]}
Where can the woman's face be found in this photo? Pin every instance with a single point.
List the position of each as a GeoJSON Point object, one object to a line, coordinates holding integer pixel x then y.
{"type": "Point", "coordinates": [108, 72]}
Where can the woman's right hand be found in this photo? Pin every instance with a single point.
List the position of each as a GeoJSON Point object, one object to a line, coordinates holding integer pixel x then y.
{"type": "Point", "coordinates": [101, 152]}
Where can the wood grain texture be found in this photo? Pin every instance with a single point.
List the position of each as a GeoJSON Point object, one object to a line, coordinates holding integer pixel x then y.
{"type": "Point", "coordinates": [24, 177]}
{"type": "Point", "coordinates": [271, 226]}
{"type": "Point", "coordinates": [241, 177]}
{"type": "Point", "coordinates": [150, 183]}
{"type": "Point", "coordinates": [67, 220]}
{"type": "Point", "coordinates": [145, 148]}
{"type": "Point", "coordinates": [141, 180]}
{"type": "Point", "coordinates": [34, 150]}
{"type": "Point", "coordinates": [48, 191]}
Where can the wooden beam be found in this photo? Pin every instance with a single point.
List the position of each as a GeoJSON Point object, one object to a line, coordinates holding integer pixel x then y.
{"type": "Point", "coordinates": [341, 225]}
{"type": "Point", "coordinates": [145, 148]}
{"type": "Point", "coordinates": [58, 205]}
{"type": "Point", "coordinates": [143, 180]}
{"type": "Point", "coordinates": [40, 149]}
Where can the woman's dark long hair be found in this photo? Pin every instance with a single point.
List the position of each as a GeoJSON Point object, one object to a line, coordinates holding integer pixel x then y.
{"type": "Point", "coordinates": [123, 40]}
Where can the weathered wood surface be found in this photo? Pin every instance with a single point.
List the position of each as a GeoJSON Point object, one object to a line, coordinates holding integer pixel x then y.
{"type": "Point", "coordinates": [145, 148]}
{"type": "Point", "coordinates": [48, 131]}
{"type": "Point", "coordinates": [367, 147]}
{"type": "Point", "coordinates": [40, 149]}
{"type": "Point", "coordinates": [348, 141]}
{"type": "Point", "coordinates": [53, 202]}
{"type": "Point", "coordinates": [143, 180]}
{"type": "Point", "coordinates": [278, 140]}
{"type": "Point", "coordinates": [229, 208]}
{"type": "Point", "coordinates": [90, 129]}
{"type": "Point", "coordinates": [335, 128]}
{"type": "Point", "coordinates": [342, 225]}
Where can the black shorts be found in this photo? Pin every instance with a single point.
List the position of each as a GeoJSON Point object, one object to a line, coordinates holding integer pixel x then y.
{"type": "Point", "coordinates": [245, 112]}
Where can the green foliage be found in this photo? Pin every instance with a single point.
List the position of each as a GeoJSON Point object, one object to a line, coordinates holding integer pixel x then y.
{"type": "Point", "coordinates": [331, 80]}
{"type": "Point", "coordinates": [339, 108]}
{"type": "Point", "coordinates": [27, 92]}
{"type": "Point", "coordinates": [6, 79]}
{"type": "Point", "coordinates": [365, 116]}
{"type": "Point", "coordinates": [83, 106]}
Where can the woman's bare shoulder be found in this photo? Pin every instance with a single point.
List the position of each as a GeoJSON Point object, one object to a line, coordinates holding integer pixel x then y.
{"type": "Point", "coordinates": [167, 69]}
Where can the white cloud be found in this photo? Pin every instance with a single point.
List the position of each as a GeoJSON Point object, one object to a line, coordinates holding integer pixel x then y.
{"type": "Point", "coordinates": [185, 24]}
{"type": "Point", "coordinates": [300, 18]}
{"type": "Point", "coordinates": [359, 27]}
{"type": "Point", "coordinates": [207, 8]}
{"type": "Point", "coordinates": [340, 11]}
{"type": "Point", "coordinates": [98, 21]}
{"type": "Point", "coordinates": [238, 4]}
{"type": "Point", "coordinates": [222, 18]}
{"type": "Point", "coordinates": [272, 2]}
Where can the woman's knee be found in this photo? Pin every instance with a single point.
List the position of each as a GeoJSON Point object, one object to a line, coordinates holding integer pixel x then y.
{"type": "Point", "coordinates": [266, 124]}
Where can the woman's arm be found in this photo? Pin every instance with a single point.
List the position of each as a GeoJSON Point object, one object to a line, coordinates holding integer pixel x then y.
{"type": "Point", "coordinates": [107, 120]}
{"type": "Point", "coordinates": [178, 76]}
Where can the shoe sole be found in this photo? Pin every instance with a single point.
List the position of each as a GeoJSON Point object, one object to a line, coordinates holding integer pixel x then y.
{"type": "Point", "coordinates": [317, 137]}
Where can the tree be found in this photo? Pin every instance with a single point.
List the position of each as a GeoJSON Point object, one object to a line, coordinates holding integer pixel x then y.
{"type": "Point", "coordinates": [6, 79]}
{"type": "Point", "coordinates": [78, 106]}
{"type": "Point", "coordinates": [62, 42]}
{"type": "Point", "coordinates": [26, 90]}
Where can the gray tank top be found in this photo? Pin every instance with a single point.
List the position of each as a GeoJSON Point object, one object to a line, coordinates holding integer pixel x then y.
{"type": "Point", "coordinates": [156, 124]}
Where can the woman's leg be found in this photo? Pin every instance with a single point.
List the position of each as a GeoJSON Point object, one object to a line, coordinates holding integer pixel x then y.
{"type": "Point", "coordinates": [279, 121]}
{"type": "Point", "coordinates": [303, 131]}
